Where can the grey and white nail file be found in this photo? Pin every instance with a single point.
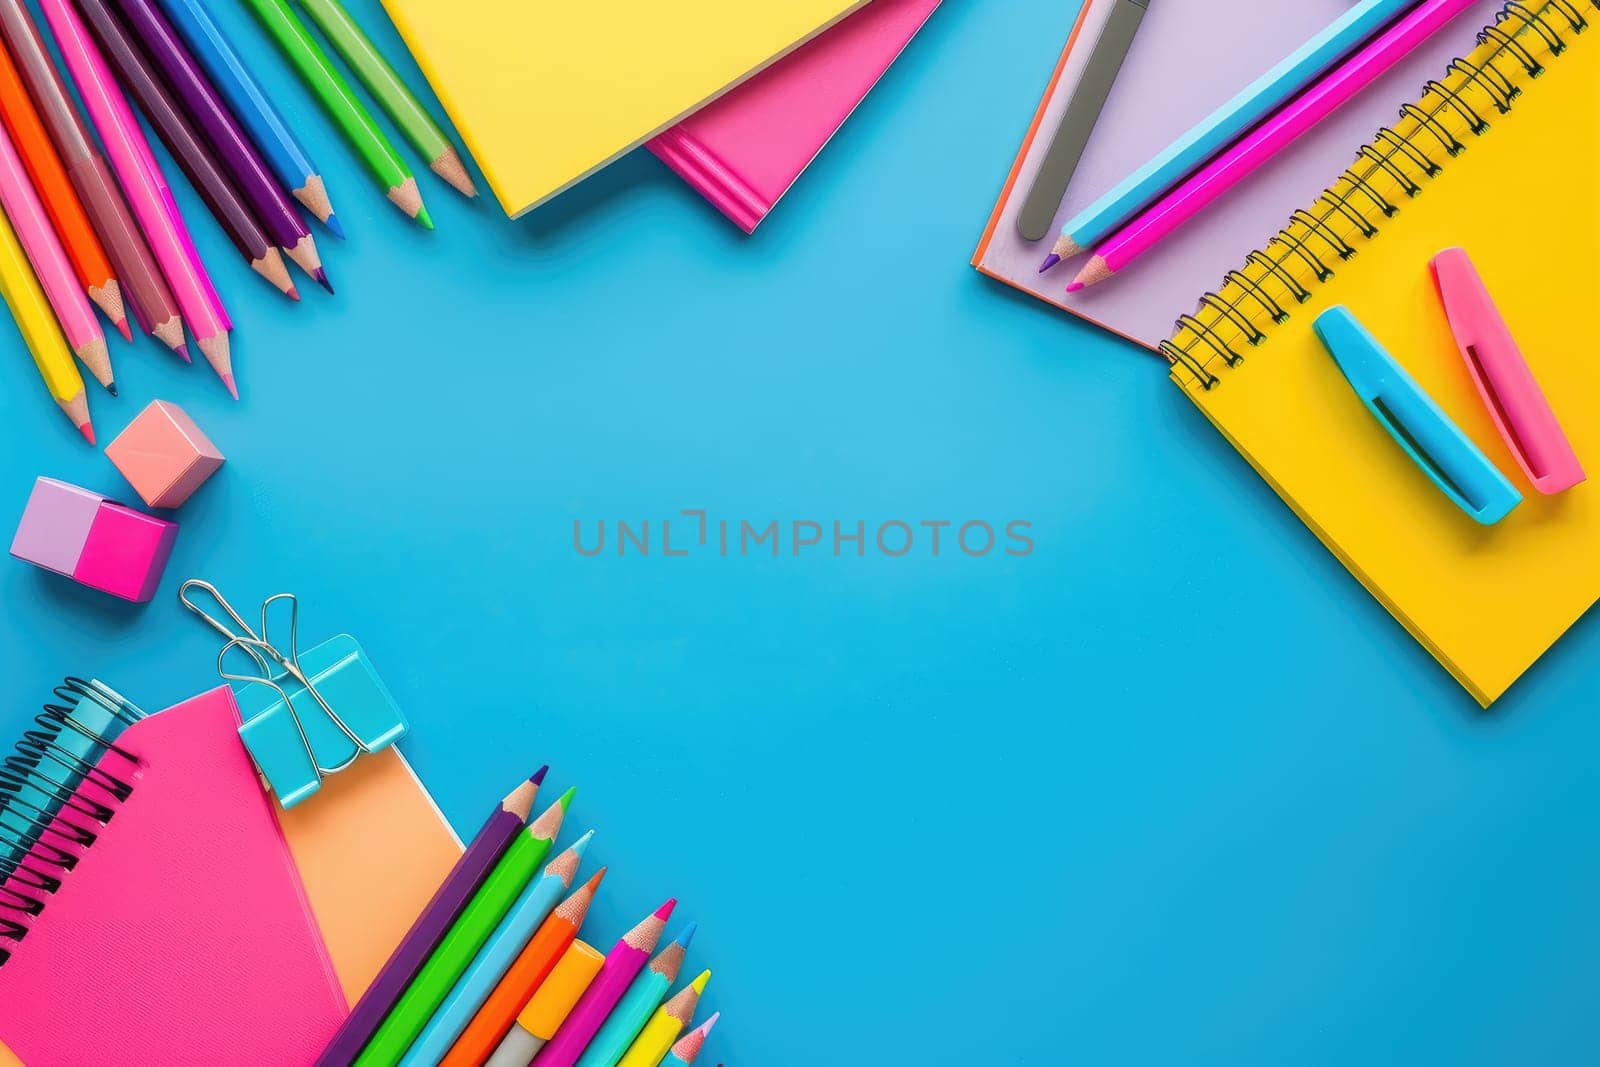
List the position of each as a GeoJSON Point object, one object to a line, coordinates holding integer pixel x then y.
{"type": "Point", "coordinates": [1083, 111]}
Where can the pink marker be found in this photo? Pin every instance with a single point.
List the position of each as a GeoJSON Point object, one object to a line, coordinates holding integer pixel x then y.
{"type": "Point", "coordinates": [1257, 148]}
{"type": "Point", "coordinates": [1507, 385]}
{"type": "Point", "coordinates": [130, 157]}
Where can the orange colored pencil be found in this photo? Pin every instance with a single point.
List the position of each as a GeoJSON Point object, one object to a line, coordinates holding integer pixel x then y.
{"type": "Point", "coordinates": [486, 1030]}
{"type": "Point", "coordinates": [61, 203]}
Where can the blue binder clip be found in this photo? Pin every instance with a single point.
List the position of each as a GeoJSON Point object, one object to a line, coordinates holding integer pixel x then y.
{"type": "Point", "coordinates": [287, 700]}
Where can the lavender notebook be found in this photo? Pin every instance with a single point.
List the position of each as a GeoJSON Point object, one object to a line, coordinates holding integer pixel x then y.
{"type": "Point", "coordinates": [1189, 57]}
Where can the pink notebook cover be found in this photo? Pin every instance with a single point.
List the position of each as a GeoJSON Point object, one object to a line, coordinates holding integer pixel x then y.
{"type": "Point", "coordinates": [744, 150]}
{"type": "Point", "coordinates": [1188, 58]}
{"type": "Point", "coordinates": [183, 935]}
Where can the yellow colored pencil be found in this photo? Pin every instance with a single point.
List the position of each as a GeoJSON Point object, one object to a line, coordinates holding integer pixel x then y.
{"type": "Point", "coordinates": [37, 324]}
{"type": "Point", "coordinates": [669, 1021]}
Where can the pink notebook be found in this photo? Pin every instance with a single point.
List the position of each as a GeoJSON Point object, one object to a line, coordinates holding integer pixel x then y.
{"type": "Point", "coordinates": [182, 936]}
{"type": "Point", "coordinates": [1187, 59]}
{"type": "Point", "coordinates": [744, 150]}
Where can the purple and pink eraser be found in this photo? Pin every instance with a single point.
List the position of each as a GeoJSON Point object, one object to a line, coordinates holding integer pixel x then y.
{"type": "Point", "coordinates": [94, 541]}
{"type": "Point", "coordinates": [164, 455]}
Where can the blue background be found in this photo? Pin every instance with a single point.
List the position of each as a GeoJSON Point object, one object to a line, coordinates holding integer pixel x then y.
{"type": "Point", "coordinates": [1171, 789]}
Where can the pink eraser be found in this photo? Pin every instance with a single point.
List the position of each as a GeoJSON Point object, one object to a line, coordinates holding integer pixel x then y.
{"type": "Point", "coordinates": [55, 524]}
{"type": "Point", "coordinates": [125, 553]}
{"type": "Point", "coordinates": [164, 455]}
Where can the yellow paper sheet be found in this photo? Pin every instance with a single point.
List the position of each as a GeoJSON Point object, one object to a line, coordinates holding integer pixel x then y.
{"type": "Point", "coordinates": [547, 93]}
{"type": "Point", "coordinates": [1521, 199]}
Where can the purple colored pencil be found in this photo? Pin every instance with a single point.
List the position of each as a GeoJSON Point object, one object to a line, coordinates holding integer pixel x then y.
{"type": "Point", "coordinates": [238, 155]}
{"type": "Point", "coordinates": [491, 842]}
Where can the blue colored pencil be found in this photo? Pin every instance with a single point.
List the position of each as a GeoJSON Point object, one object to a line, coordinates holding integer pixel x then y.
{"type": "Point", "coordinates": [643, 997]}
{"type": "Point", "coordinates": [538, 900]}
{"type": "Point", "coordinates": [284, 154]}
{"type": "Point", "coordinates": [1223, 126]}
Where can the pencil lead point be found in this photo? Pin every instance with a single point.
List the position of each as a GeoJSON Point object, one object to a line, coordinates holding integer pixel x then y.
{"type": "Point", "coordinates": [321, 276]}
{"type": "Point", "coordinates": [122, 328]}
{"type": "Point", "coordinates": [537, 777]}
{"type": "Point", "coordinates": [87, 429]}
{"type": "Point", "coordinates": [1075, 286]}
{"type": "Point", "coordinates": [1049, 261]}
{"type": "Point", "coordinates": [665, 911]}
{"type": "Point", "coordinates": [182, 352]}
{"type": "Point", "coordinates": [332, 223]}
{"type": "Point", "coordinates": [228, 382]}
{"type": "Point", "coordinates": [565, 799]}
{"type": "Point", "coordinates": [686, 935]}
{"type": "Point", "coordinates": [292, 293]}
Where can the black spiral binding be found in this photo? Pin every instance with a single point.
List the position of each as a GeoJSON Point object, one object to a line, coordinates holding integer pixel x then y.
{"type": "Point", "coordinates": [1395, 167]}
{"type": "Point", "coordinates": [55, 801]}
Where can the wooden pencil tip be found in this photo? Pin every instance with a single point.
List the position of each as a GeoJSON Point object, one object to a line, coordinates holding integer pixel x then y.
{"type": "Point", "coordinates": [87, 429]}
{"type": "Point", "coordinates": [304, 254]}
{"type": "Point", "coordinates": [537, 777]}
{"type": "Point", "coordinates": [270, 266]}
{"type": "Point", "coordinates": [108, 298]}
{"type": "Point", "coordinates": [407, 197]}
{"type": "Point", "coordinates": [76, 409]}
{"type": "Point", "coordinates": [94, 354]}
{"type": "Point", "coordinates": [1093, 273]}
{"type": "Point", "coordinates": [448, 166]}
{"type": "Point", "coordinates": [1065, 247]}
{"type": "Point", "coordinates": [170, 333]}
{"type": "Point", "coordinates": [314, 196]}
{"type": "Point", "coordinates": [215, 349]}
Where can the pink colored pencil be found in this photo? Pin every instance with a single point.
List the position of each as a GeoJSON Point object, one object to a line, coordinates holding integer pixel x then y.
{"type": "Point", "coordinates": [51, 266]}
{"type": "Point", "coordinates": [1259, 147]}
{"type": "Point", "coordinates": [622, 964]}
{"type": "Point", "coordinates": [148, 195]}
{"type": "Point", "coordinates": [690, 1045]}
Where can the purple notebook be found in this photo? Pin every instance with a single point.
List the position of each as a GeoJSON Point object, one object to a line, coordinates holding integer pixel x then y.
{"type": "Point", "coordinates": [1188, 58]}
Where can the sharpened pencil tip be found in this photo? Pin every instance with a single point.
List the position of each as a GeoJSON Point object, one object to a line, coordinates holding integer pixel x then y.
{"type": "Point", "coordinates": [1049, 261]}
{"type": "Point", "coordinates": [594, 880]}
{"type": "Point", "coordinates": [1075, 286]}
{"type": "Point", "coordinates": [182, 352]}
{"type": "Point", "coordinates": [665, 911]}
{"type": "Point", "coordinates": [321, 276]}
{"type": "Point", "coordinates": [233, 389]}
{"type": "Point", "coordinates": [292, 293]}
{"type": "Point", "coordinates": [537, 777]}
{"type": "Point", "coordinates": [122, 328]}
{"type": "Point", "coordinates": [581, 845]}
{"type": "Point", "coordinates": [701, 980]}
{"type": "Point", "coordinates": [111, 387]}
{"type": "Point", "coordinates": [686, 935]}
{"type": "Point", "coordinates": [87, 429]}
{"type": "Point", "coordinates": [424, 218]}
{"type": "Point", "coordinates": [565, 799]}
{"type": "Point", "coordinates": [332, 223]}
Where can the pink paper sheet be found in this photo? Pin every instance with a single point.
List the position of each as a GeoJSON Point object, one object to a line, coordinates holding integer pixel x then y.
{"type": "Point", "coordinates": [743, 150]}
{"type": "Point", "coordinates": [1189, 57]}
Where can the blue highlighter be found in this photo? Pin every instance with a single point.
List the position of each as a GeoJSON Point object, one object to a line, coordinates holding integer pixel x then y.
{"type": "Point", "coordinates": [1437, 445]}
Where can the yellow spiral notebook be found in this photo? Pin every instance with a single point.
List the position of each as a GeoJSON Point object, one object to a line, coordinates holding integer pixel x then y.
{"type": "Point", "coordinates": [1500, 155]}
{"type": "Point", "coordinates": [545, 94]}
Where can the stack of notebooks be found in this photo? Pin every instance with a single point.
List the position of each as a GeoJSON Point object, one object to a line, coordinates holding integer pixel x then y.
{"type": "Point", "coordinates": [1487, 137]}
{"type": "Point", "coordinates": [737, 98]}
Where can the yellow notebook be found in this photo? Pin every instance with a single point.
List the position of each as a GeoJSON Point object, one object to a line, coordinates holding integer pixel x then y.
{"type": "Point", "coordinates": [547, 93]}
{"type": "Point", "coordinates": [1519, 193]}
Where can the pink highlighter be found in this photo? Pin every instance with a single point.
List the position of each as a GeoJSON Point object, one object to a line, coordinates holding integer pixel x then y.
{"type": "Point", "coordinates": [1505, 383]}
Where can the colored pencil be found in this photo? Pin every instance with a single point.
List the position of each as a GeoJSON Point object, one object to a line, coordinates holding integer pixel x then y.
{"type": "Point", "coordinates": [1214, 133]}
{"type": "Point", "coordinates": [690, 1045]}
{"type": "Point", "coordinates": [37, 324]}
{"type": "Point", "coordinates": [669, 1020]}
{"type": "Point", "coordinates": [392, 94]}
{"type": "Point", "coordinates": [131, 159]}
{"type": "Point", "coordinates": [149, 297]}
{"type": "Point", "coordinates": [239, 159]}
{"type": "Point", "coordinates": [531, 909]}
{"type": "Point", "coordinates": [251, 106]}
{"type": "Point", "coordinates": [61, 203]}
{"type": "Point", "coordinates": [466, 936]}
{"type": "Point", "coordinates": [342, 105]}
{"type": "Point", "coordinates": [490, 843]}
{"type": "Point", "coordinates": [194, 157]}
{"type": "Point", "coordinates": [1264, 143]}
{"type": "Point", "coordinates": [531, 967]}
{"type": "Point", "coordinates": [623, 963]}
{"type": "Point", "coordinates": [50, 265]}
{"type": "Point", "coordinates": [549, 1006]}
{"type": "Point", "coordinates": [643, 997]}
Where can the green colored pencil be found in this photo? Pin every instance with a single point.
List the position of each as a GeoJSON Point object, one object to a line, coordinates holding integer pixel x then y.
{"type": "Point", "coordinates": [397, 101]}
{"type": "Point", "coordinates": [341, 103]}
{"type": "Point", "coordinates": [467, 935]}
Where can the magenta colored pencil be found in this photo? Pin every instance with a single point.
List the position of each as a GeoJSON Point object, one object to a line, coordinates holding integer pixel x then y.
{"type": "Point", "coordinates": [1263, 144]}
{"type": "Point", "coordinates": [622, 964]}
{"type": "Point", "coordinates": [491, 842]}
{"type": "Point", "coordinates": [147, 194]}
{"type": "Point", "coordinates": [235, 151]}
